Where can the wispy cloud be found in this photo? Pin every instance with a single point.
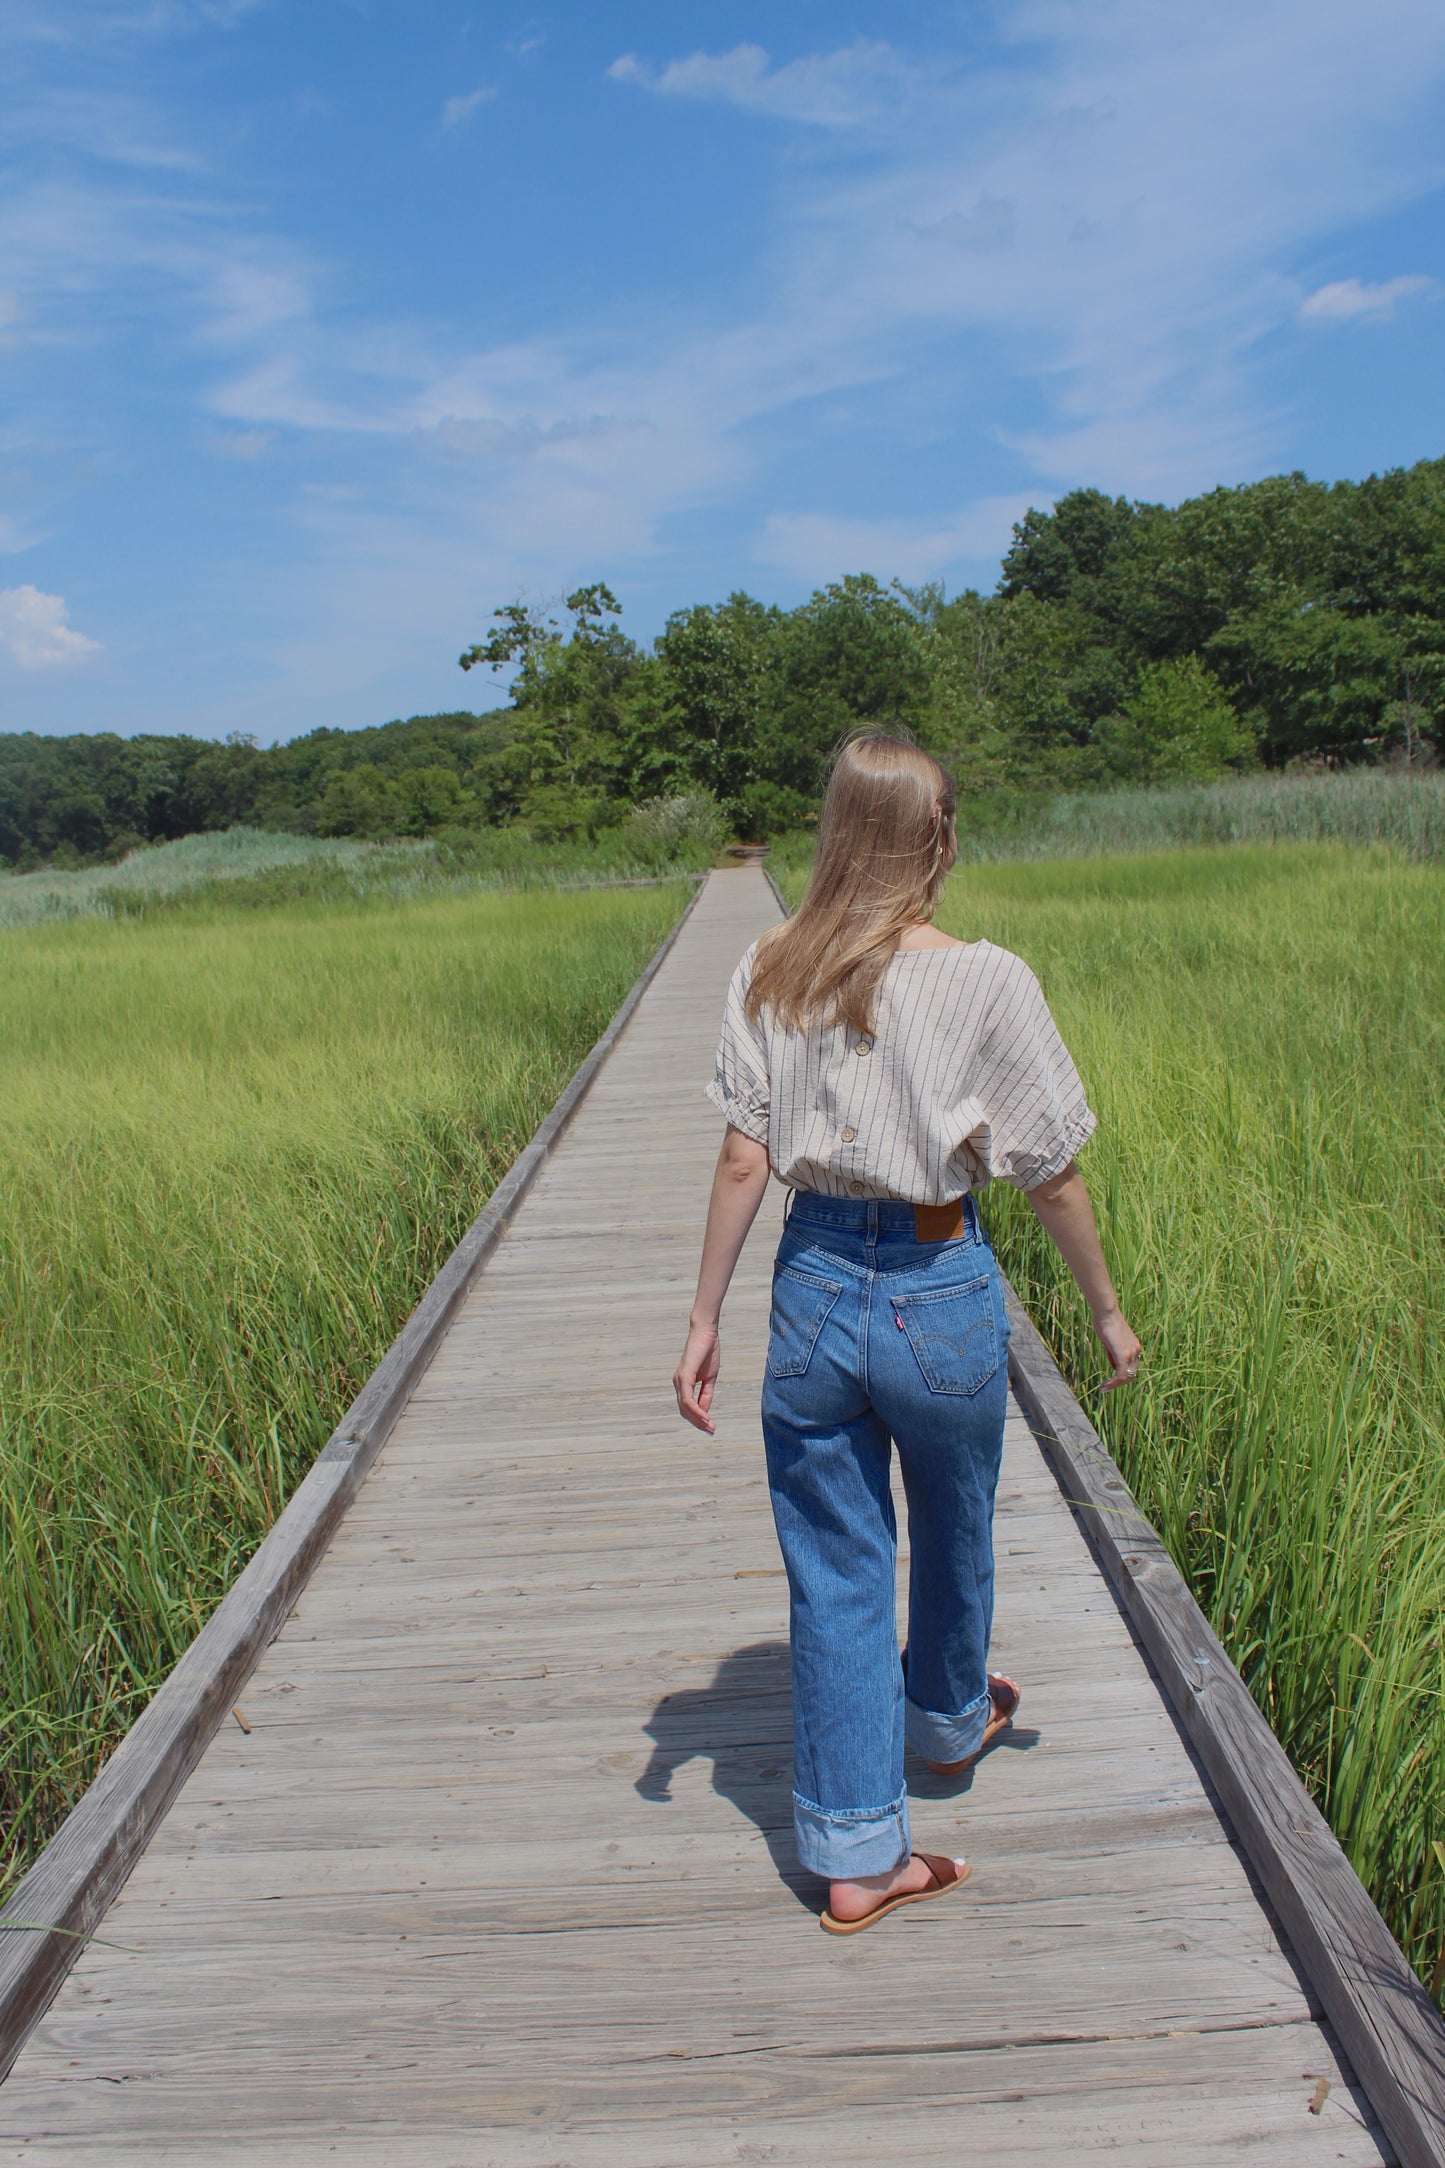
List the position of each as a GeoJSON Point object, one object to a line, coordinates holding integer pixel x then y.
{"type": "Point", "coordinates": [843, 90]}
{"type": "Point", "coordinates": [34, 632]}
{"type": "Point", "coordinates": [816, 546]}
{"type": "Point", "coordinates": [244, 444]}
{"type": "Point", "coordinates": [105, 126]}
{"type": "Point", "coordinates": [96, 23]}
{"type": "Point", "coordinates": [458, 111]}
{"type": "Point", "coordinates": [1346, 301]}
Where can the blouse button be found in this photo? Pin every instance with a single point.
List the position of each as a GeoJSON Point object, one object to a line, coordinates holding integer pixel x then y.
{"type": "Point", "coordinates": [849, 1135]}
{"type": "Point", "coordinates": [864, 1046]}
{"type": "Point", "coordinates": [857, 1188]}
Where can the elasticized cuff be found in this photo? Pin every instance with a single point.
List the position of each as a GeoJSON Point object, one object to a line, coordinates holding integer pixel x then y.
{"type": "Point", "coordinates": [1078, 1133]}
{"type": "Point", "coordinates": [749, 1120]}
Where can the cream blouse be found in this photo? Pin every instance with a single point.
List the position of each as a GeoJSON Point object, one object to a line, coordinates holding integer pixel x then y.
{"type": "Point", "coordinates": [965, 1077]}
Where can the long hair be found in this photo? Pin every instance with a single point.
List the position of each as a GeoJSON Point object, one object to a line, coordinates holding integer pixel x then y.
{"type": "Point", "coordinates": [885, 848]}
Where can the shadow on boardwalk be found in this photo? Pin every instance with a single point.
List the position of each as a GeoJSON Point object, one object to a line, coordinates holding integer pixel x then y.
{"type": "Point", "coordinates": [742, 1722]}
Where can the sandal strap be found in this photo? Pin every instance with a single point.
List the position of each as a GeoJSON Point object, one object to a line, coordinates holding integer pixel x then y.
{"type": "Point", "coordinates": [942, 1870]}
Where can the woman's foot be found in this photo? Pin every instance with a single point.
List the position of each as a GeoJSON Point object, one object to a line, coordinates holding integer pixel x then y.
{"type": "Point", "coordinates": [854, 1906]}
{"type": "Point", "coordinates": [1005, 1696]}
{"type": "Point", "coordinates": [850, 1900]}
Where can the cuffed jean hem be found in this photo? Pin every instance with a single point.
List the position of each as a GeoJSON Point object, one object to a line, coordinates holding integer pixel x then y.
{"type": "Point", "coordinates": [845, 1847]}
{"type": "Point", "coordinates": [946, 1738]}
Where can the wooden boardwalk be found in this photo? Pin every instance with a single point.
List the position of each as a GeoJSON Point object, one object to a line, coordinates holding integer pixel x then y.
{"type": "Point", "coordinates": [502, 1872]}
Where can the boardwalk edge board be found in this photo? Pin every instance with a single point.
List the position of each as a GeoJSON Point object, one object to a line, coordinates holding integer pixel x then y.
{"type": "Point", "coordinates": [1389, 2029]}
{"type": "Point", "coordinates": [75, 1879]}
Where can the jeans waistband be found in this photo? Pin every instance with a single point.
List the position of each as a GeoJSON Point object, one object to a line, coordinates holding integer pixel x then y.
{"type": "Point", "coordinates": [870, 1216]}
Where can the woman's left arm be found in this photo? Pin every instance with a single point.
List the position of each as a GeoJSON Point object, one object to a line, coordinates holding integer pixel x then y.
{"type": "Point", "coordinates": [737, 1191]}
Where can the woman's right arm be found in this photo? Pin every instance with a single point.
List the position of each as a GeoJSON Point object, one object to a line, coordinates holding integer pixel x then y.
{"type": "Point", "coordinates": [1066, 1213]}
{"type": "Point", "coordinates": [737, 1191]}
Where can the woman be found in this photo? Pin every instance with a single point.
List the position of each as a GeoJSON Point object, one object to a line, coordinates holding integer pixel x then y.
{"type": "Point", "coordinates": [885, 1071]}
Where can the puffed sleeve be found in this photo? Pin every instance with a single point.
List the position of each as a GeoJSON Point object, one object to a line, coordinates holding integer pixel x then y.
{"type": "Point", "coordinates": [739, 1089]}
{"type": "Point", "coordinates": [1034, 1112]}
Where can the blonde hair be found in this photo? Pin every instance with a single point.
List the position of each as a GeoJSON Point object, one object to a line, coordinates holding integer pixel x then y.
{"type": "Point", "coordinates": [885, 849]}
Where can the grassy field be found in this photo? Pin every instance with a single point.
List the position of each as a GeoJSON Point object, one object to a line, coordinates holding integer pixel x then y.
{"type": "Point", "coordinates": [1402, 809]}
{"type": "Point", "coordinates": [238, 1146]}
{"type": "Point", "coordinates": [233, 869]}
{"type": "Point", "coordinates": [1262, 1033]}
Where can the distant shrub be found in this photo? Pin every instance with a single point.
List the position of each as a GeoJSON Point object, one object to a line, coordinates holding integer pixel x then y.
{"type": "Point", "coordinates": [663, 827]}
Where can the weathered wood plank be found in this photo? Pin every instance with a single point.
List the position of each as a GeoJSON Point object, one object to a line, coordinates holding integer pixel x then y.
{"type": "Point", "coordinates": [1152, 2103]}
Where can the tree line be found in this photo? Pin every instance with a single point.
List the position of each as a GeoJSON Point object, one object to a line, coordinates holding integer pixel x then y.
{"type": "Point", "coordinates": [1280, 621]}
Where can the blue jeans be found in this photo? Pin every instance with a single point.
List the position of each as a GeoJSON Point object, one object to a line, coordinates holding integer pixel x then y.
{"type": "Point", "coordinates": [877, 1336]}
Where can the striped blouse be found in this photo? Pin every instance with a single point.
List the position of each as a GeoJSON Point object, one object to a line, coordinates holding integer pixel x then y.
{"type": "Point", "coordinates": [965, 1077]}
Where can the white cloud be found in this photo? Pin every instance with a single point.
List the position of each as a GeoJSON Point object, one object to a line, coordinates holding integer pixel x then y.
{"type": "Point", "coordinates": [814, 547]}
{"type": "Point", "coordinates": [458, 111]}
{"type": "Point", "coordinates": [34, 633]}
{"type": "Point", "coordinates": [242, 443]}
{"type": "Point", "coordinates": [1345, 301]}
{"type": "Point", "coordinates": [16, 535]}
{"type": "Point", "coordinates": [825, 90]}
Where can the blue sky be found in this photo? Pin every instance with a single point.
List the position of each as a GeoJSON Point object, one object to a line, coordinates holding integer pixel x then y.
{"type": "Point", "coordinates": [327, 327]}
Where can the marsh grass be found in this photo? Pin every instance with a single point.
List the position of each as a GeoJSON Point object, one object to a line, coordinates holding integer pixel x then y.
{"type": "Point", "coordinates": [238, 1148]}
{"type": "Point", "coordinates": [1403, 810]}
{"type": "Point", "coordinates": [237, 868]}
{"type": "Point", "coordinates": [1262, 1034]}
{"type": "Point", "coordinates": [1395, 807]}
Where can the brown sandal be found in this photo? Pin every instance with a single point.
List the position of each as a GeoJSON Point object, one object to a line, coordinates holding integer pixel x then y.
{"type": "Point", "coordinates": [944, 1874]}
{"type": "Point", "coordinates": [1005, 1695]}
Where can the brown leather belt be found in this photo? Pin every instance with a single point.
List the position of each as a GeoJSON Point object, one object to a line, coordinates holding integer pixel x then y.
{"type": "Point", "coordinates": [940, 1222]}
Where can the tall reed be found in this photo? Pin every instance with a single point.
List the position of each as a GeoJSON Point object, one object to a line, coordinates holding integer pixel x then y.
{"type": "Point", "coordinates": [1397, 807]}
{"type": "Point", "coordinates": [1262, 1032]}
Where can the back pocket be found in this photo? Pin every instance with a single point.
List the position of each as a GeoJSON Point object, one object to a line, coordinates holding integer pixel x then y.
{"type": "Point", "coordinates": [954, 1333]}
{"type": "Point", "coordinates": [801, 1304]}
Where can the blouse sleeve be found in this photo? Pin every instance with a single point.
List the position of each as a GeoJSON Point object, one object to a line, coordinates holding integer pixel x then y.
{"type": "Point", "coordinates": [1035, 1114]}
{"type": "Point", "coordinates": [739, 1089]}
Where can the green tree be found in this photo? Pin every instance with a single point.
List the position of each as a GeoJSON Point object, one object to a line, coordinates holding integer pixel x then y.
{"type": "Point", "coordinates": [1178, 727]}
{"type": "Point", "coordinates": [361, 801]}
{"type": "Point", "coordinates": [715, 664]}
{"type": "Point", "coordinates": [853, 653]}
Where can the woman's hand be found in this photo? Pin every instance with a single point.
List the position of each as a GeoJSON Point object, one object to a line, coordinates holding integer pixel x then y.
{"type": "Point", "coordinates": [1067, 1216]}
{"type": "Point", "coordinates": [737, 1191]}
{"type": "Point", "coordinates": [1121, 1345]}
{"type": "Point", "coordinates": [696, 1375]}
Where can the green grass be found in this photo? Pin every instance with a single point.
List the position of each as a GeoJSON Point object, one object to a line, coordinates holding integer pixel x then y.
{"type": "Point", "coordinates": [1366, 805]}
{"type": "Point", "coordinates": [1262, 1034]}
{"type": "Point", "coordinates": [236, 868]}
{"type": "Point", "coordinates": [238, 1147]}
